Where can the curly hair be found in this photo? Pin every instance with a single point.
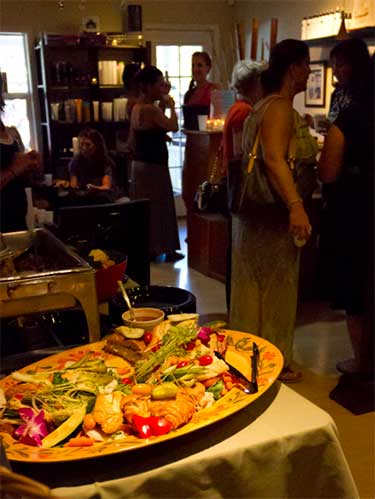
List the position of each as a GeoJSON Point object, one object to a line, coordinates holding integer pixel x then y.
{"type": "Point", "coordinates": [244, 73]}
{"type": "Point", "coordinates": [101, 154]}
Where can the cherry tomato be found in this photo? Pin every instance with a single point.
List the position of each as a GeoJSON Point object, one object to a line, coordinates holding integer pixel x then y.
{"type": "Point", "coordinates": [126, 381]}
{"type": "Point", "coordinates": [183, 363]}
{"type": "Point", "coordinates": [147, 337]}
{"type": "Point", "coordinates": [220, 337]}
{"type": "Point", "coordinates": [205, 360]}
{"type": "Point", "coordinates": [190, 346]}
{"type": "Point", "coordinates": [151, 426]}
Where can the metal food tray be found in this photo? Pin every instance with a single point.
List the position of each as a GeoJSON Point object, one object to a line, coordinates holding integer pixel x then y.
{"type": "Point", "coordinates": [66, 280]}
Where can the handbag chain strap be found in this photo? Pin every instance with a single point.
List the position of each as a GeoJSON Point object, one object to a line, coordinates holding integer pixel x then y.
{"type": "Point", "coordinates": [215, 166]}
{"type": "Point", "coordinates": [291, 158]}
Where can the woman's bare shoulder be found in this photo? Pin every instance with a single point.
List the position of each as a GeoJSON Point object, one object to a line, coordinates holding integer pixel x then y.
{"type": "Point", "coordinates": [144, 114]}
{"type": "Point", "coordinates": [279, 110]}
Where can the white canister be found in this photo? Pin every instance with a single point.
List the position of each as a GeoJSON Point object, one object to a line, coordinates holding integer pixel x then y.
{"type": "Point", "coordinates": [107, 111]}
{"type": "Point", "coordinates": [95, 109]}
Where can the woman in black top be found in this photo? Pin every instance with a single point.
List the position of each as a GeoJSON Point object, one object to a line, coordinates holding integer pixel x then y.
{"type": "Point", "coordinates": [14, 166]}
{"type": "Point", "coordinates": [149, 173]}
{"type": "Point", "coordinates": [91, 170]}
{"type": "Point", "coordinates": [345, 164]}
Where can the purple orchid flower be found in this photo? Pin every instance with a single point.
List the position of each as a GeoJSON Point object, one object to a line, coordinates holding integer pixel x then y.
{"type": "Point", "coordinates": [204, 334]}
{"type": "Point", "coordinates": [35, 427]}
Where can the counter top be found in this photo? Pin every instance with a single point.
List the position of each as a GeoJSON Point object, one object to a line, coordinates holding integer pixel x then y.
{"type": "Point", "coordinates": [201, 132]}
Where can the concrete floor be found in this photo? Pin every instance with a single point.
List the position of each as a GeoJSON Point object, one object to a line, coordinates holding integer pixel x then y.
{"type": "Point", "coordinates": [321, 340]}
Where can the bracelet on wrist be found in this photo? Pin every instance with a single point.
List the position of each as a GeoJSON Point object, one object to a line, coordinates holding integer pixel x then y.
{"type": "Point", "coordinates": [292, 203]}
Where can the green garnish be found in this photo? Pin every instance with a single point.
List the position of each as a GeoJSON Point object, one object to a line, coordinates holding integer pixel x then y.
{"type": "Point", "coordinates": [176, 338]}
{"type": "Point", "coordinates": [216, 389]}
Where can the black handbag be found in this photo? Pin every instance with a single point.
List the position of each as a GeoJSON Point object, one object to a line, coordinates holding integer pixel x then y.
{"type": "Point", "coordinates": [211, 195]}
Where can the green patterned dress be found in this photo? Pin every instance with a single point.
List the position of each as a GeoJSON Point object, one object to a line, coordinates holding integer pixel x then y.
{"type": "Point", "coordinates": [265, 261]}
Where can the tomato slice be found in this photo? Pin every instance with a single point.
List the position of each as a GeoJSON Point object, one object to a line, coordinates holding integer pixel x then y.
{"type": "Point", "coordinates": [205, 360]}
{"type": "Point", "coordinates": [147, 337]}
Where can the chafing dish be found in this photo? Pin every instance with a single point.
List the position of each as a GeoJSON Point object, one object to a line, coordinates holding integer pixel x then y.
{"type": "Point", "coordinates": [64, 281]}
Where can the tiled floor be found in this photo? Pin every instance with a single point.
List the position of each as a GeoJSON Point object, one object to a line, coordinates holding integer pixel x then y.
{"type": "Point", "coordinates": [321, 341]}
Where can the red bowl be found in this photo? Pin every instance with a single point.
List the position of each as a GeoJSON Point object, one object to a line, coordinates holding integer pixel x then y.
{"type": "Point", "coordinates": [106, 280]}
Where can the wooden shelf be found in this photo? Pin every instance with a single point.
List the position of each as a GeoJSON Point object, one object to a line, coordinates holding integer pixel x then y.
{"type": "Point", "coordinates": [111, 86]}
{"type": "Point", "coordinates": [68, 88]}
{"type": "Point", "coordinates": [365, 33]}
{"type": "Point", "coordinates": [59, 84]}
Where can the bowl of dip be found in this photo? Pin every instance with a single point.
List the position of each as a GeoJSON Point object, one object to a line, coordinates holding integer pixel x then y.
{"type": "Point", "coordinates": [145, 317]}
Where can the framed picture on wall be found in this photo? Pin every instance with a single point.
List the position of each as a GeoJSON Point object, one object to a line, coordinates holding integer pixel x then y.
{"type": "Point", "coordinates": [91, 23]}
{"type": "Point", "coordinates": [315, 94]}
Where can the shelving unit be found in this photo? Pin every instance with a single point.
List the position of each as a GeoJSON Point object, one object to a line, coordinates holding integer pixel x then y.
{"type": "Point", "coordinates": [367, 34]}
{"type": "Point", "coordinates": [68, 69]}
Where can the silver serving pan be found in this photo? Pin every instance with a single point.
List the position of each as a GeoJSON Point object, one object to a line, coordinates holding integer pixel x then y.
{"type": "Point", "coordinates": [65, 280]}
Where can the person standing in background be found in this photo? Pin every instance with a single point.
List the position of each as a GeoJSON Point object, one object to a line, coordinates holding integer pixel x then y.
{"type": "Point", "coordinates": [15, 165]}
{"type": "Point", "coordinates": [346, 168]}
{"type": "Point", "coordinates": [265, 258]}
{"type": "Point", "coordinates": [91, 171]}
{"type": "Point", "coordinates": [199, 93]}
{"type": "Point", "coordinates": [150, 176]}
{"type": "Point", "coordinates": [246, 83]}
{"type": "Point", "coordinates": [129, 78]}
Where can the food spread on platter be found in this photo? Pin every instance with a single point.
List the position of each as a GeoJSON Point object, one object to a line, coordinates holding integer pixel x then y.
{"type": "Point", "coordinates": [99, 259]}
{"type": "Point", "coordinates": [30, 261]}
{"type": "Point", "coordinates": [143, 388]}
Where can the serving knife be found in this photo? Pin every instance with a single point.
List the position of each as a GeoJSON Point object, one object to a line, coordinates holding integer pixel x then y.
{"type": "Point", "coordinates": [249, 386]}
{"type": "Point", "coordinates": [254, 366]}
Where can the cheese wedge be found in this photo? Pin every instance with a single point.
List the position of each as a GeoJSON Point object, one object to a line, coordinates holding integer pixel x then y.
{"type": "Point", "coordinates": [240, 360]}
{"type": "Point", "coordinates": [182, 317]}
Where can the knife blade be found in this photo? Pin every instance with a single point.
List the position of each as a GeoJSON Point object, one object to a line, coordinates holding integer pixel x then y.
{"type": "Point", "coordinates": [254, 366]}
{"type": "Point", "coordinates": [249, 386]}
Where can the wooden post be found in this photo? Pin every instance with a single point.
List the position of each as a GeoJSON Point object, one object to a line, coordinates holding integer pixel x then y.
{"type": "Point", "coordinates": [254, 38]}
{"type": "Point", "coordinates": [273, 34]}
{"type": "Point", "coordinates": [241, 40]}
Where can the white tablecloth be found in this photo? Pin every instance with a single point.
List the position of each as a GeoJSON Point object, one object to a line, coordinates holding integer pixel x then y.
{"type": "Point", "coordinates": [281, 446]}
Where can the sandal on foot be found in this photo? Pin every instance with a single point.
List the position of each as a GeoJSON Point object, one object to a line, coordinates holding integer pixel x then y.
{"type": "Point", "coordinates": [349, 366]}
{"type": "Point", "coordinates": [287, 375]}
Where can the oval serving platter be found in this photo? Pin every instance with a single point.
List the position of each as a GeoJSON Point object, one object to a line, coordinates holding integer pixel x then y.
{"type": "Point", "coordinates": [269, 368]}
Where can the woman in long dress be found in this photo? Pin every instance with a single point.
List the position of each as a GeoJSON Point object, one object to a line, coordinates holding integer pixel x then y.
{"type": "Point", "coordinates": [265, 258]}
{"type": "Point", "coordinates": [150, 176]}
{"type": "Point", "coordinates": [346, 167]}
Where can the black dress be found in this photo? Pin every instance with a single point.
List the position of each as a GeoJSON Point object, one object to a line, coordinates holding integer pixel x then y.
{"type": "Point", "coordinates": [13, 195]}
{"type": "Point", "coordinates": [347, 212]}
{"type": "Point", "coordinates": [150, 179]}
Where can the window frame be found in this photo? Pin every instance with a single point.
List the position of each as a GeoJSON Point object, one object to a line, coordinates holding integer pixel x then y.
{"type": "Point", "coordinates": [206, 36]}
{"type": "Point", "coordinates": [28, 96]}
